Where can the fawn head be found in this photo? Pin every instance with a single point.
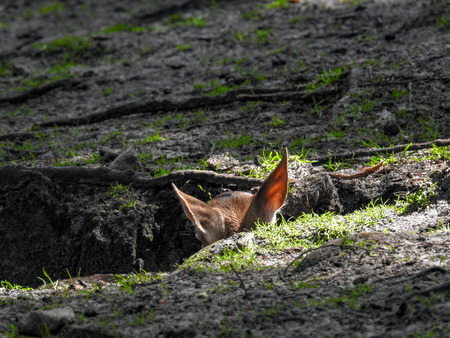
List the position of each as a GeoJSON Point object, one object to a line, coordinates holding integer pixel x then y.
{"type": "Point", "coordinates": [232, 212]}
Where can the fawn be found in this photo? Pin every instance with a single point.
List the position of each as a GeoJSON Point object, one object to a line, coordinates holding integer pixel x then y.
{"type": "Point", "coordinates": [237, 211]}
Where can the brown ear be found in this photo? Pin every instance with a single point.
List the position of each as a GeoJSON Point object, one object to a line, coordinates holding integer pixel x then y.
{"type": "Point", "coordinates": [208, 221]}
{"type": "Point", "coordinates": [272, 194]}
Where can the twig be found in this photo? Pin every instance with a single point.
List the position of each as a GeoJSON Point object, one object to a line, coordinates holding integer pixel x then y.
{"type": "Point", "coordinates": [362, 173]}
{"type": "Point", "coordinates": [373, 152]}
{"type": "Point", "coordinates": [241, 281]}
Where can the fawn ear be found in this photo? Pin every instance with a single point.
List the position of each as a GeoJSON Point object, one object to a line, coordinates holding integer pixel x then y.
{"type": "Point", "coordinates": [208, 221]}
{"type": "Point", "coordinates": [272, 194]}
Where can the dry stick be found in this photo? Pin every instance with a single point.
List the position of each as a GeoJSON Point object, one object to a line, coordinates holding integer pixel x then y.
{"type": "Point", "coordinates": [362, 173]}
{"type": "Point", "coordinates": [241, 281]}
{"type": "Point", "coordinates": [107, 176]}
{"type": "Point", "coordinates": [38, 91]}
{"type": "Point", "coordinates": [149, 106]}
{"type": "Point", "coordinates": [373, 152]}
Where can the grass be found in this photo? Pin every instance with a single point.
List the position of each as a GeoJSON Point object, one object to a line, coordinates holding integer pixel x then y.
{"type": "Point", "coordinates": [151, 139]}
{"type": "Point", "coordinates": [438, 153]}
{"type": "Point", "coordinates": [276, 122]}
{"type": "Point", "coordinates": [325, 79]}
{"type": "Point", "coordinates": [6, 67]}
{"type": "Point", "coordinates": [417, 200]}
{"type": "Point", "coordinates": [255, 35]}
{"type": "Point", "coordinates": [234, 142]}
{"type": "Point", "coordinates": [430, 129]}
{"type": "Point", "coordinates": [443, 21]}
{"type": "Point", "coordinates": [397, 93]}
{"type": "Point", "coordinates": [121, 27]}
{"type": "Point", "coordinates": [184, 48]}
{"type": "Point", "coordinates": [277, 4]}
{"type": "Point", "coordinates": [56, 7]}
{"type": "Point", "coordinates": [214, 87]}
{"type": "Point", "coordinates": [50, 281]}
{"type": "Point", "coordinates": [50, 74]}
{"type": "Point", "coordinates": [164, 166]}
{"type": "Point", "coordinates": [270, 159]}
{"type": "Point", "coordinates": [9, 286]}
{"type": "Point", "coordinates": [178, 20]}
{"type": "Point", "coordinates": [348, 298]}
{"type": "Point", "coordinates": [74, 48]}
{"type": "Point", "coordinates": [307, 231]}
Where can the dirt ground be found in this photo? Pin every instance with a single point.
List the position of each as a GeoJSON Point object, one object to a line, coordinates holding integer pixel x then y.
{"type": "Point", "coordinates": [99, 101]}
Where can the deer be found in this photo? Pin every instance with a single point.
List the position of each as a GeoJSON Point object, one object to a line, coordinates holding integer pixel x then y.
{"type": "Point", "coordinates": [237, 211]}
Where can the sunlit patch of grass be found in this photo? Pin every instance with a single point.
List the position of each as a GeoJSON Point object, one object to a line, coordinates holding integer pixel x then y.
{"type": "Point", "coordinates": [308, 231]}
{"type": "Point", "coordinates": [312, 230]}
{"type": "Point", "coordinates": [438, 153]}
{"type": "Point", "coordinates": [325, 79]}
{"type": "Point", "coordinates": [270, 159]}
{"type": "Point", "coordinates": [151, 139]}
{"type": "Point", "coordinates": [277, 4]}
{"type": "Point", "coordinates": [417, 200]}
{"type": "Point", "coordinates": [165, 166]}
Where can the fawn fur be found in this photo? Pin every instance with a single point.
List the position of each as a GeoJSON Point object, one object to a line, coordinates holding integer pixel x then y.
{"type": "Point", "coordinates": [237, 211]}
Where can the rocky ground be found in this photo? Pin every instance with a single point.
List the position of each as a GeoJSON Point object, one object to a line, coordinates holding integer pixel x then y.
{"type": "Point", "coordinates": [104, 105]}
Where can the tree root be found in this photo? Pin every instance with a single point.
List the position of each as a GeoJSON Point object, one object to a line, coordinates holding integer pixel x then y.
{"type": "Point", "coordinates": [18, 136]}
{"type": "Point", "coordinates": [38, 91]}
{"type": "Point", "coordinates": [105, 176]}
{"type": "Point", "coordinates": [373, 152]}
{"type": "Point", "coordinates": [150, 106]}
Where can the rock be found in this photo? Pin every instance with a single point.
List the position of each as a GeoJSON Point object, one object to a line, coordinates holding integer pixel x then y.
{"type": "Point", "coordinates": [108, 155]}
{"type": "Point", "coordinates": [126, 161]}
{"type": "Point", "coordinates": [223, 162]}
{"type": "Point", "coordinates": [234, 243]}
{"type": "Point", "coordinates": [313, 190]}
{"type": "Point", "coordinates": [43, 322]}
{"type": "Point", "coordinates": [387, 123]}
{"type": "Point", "coordinates": [85, 331]}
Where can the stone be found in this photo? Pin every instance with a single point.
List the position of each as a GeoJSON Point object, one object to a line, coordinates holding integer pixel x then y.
{"type": "Point", "coordinates": [43, 322]}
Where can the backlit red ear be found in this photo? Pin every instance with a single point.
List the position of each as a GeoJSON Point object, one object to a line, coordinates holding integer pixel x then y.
{"type": "Point", "coordinates": [272, 194]}
{"type": "Point", "coordinates": [190, 204]}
